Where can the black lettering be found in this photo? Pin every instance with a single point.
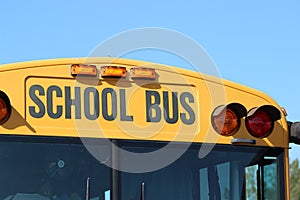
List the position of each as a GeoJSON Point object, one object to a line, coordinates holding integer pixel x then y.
{"type": "Point", "coordinates": [50, 111]}
{"type": "Point", "coordinates": [75, 102]}
{"type": "Point", "coordinates": [87, 106]}
{"type": "Point", "coordinates": [187, 107]}
{"type": "Point", "coordinates": [152, 106]}
{"type": "Point", "coordinates": [166, 102]}
{"type": "Point", "coordinates": [41, 107]}
{"type": "Point", "coordinates": [112, 93]}
{"type": "Point", "coordinates": [124, 116]}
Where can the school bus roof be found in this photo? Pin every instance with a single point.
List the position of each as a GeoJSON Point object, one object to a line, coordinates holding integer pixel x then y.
{"type": "Point", "coordinates": [104, 60]}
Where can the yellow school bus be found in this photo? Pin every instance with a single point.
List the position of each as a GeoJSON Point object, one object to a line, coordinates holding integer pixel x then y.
{"type": "Point", "coordinates": [119, 129]}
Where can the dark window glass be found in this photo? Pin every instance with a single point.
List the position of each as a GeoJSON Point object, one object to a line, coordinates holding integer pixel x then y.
{"type": "Point", "coordinates": [59, 171]}
{"type": "Point", "coordinates": [219, 175]}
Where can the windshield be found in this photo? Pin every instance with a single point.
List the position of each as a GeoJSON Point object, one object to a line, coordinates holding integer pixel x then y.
{"type": "Point", "coordinates": [227, 172]}
{"type": "Point", "coordinates": [40, 170]}
{"type": "Point", "coordinates": [63, 169]}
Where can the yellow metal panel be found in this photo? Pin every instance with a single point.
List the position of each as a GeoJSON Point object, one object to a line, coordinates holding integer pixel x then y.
{"type": "Point", "coordinates": [111, 110]}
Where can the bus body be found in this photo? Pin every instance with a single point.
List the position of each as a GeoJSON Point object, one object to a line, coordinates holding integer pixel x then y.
{"type": "Point", "coordinates": [105, 128]}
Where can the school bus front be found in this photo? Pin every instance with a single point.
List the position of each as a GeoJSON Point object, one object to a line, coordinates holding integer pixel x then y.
{"type": "Point", "coordinates": [106, 128]}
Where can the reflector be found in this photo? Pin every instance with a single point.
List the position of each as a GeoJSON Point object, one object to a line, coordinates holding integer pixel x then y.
{"type": "Point", "coordinates": [225, 122]}
{"type": "Point", "coordinates": [142, 72]}
{"type": "Point", "coordinates": [259, 124]}
{"type": "Point", "coordinates": [5, 108]}
{"type": "Point", "coordinates": [113, 71]}
{"type": "Point", "coordinates": [79, 69]}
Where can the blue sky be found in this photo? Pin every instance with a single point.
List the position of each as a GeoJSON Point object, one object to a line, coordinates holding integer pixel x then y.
{"type": "Point", "coordinates": [256, 43]}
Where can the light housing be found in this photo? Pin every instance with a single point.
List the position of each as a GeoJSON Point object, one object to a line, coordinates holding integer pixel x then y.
{"type": "Point", "coordinates": [226, 120]}
{"type": "Point", "coordinates": [5, 108]}
{"type": "Point", "coordinates": [113, 71]}
{"type": "Point", "coordinates": [260, 121]}
{"type": "Point", "coordinates": [83, 70]}
{"type": "Point", "coordinates": [142, 73]}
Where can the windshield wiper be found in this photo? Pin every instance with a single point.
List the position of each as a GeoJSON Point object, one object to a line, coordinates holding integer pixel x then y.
{"type": "Point", "coordinates": [142, 197]}
{"type": "Point", "coordinates": [87, 192]}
